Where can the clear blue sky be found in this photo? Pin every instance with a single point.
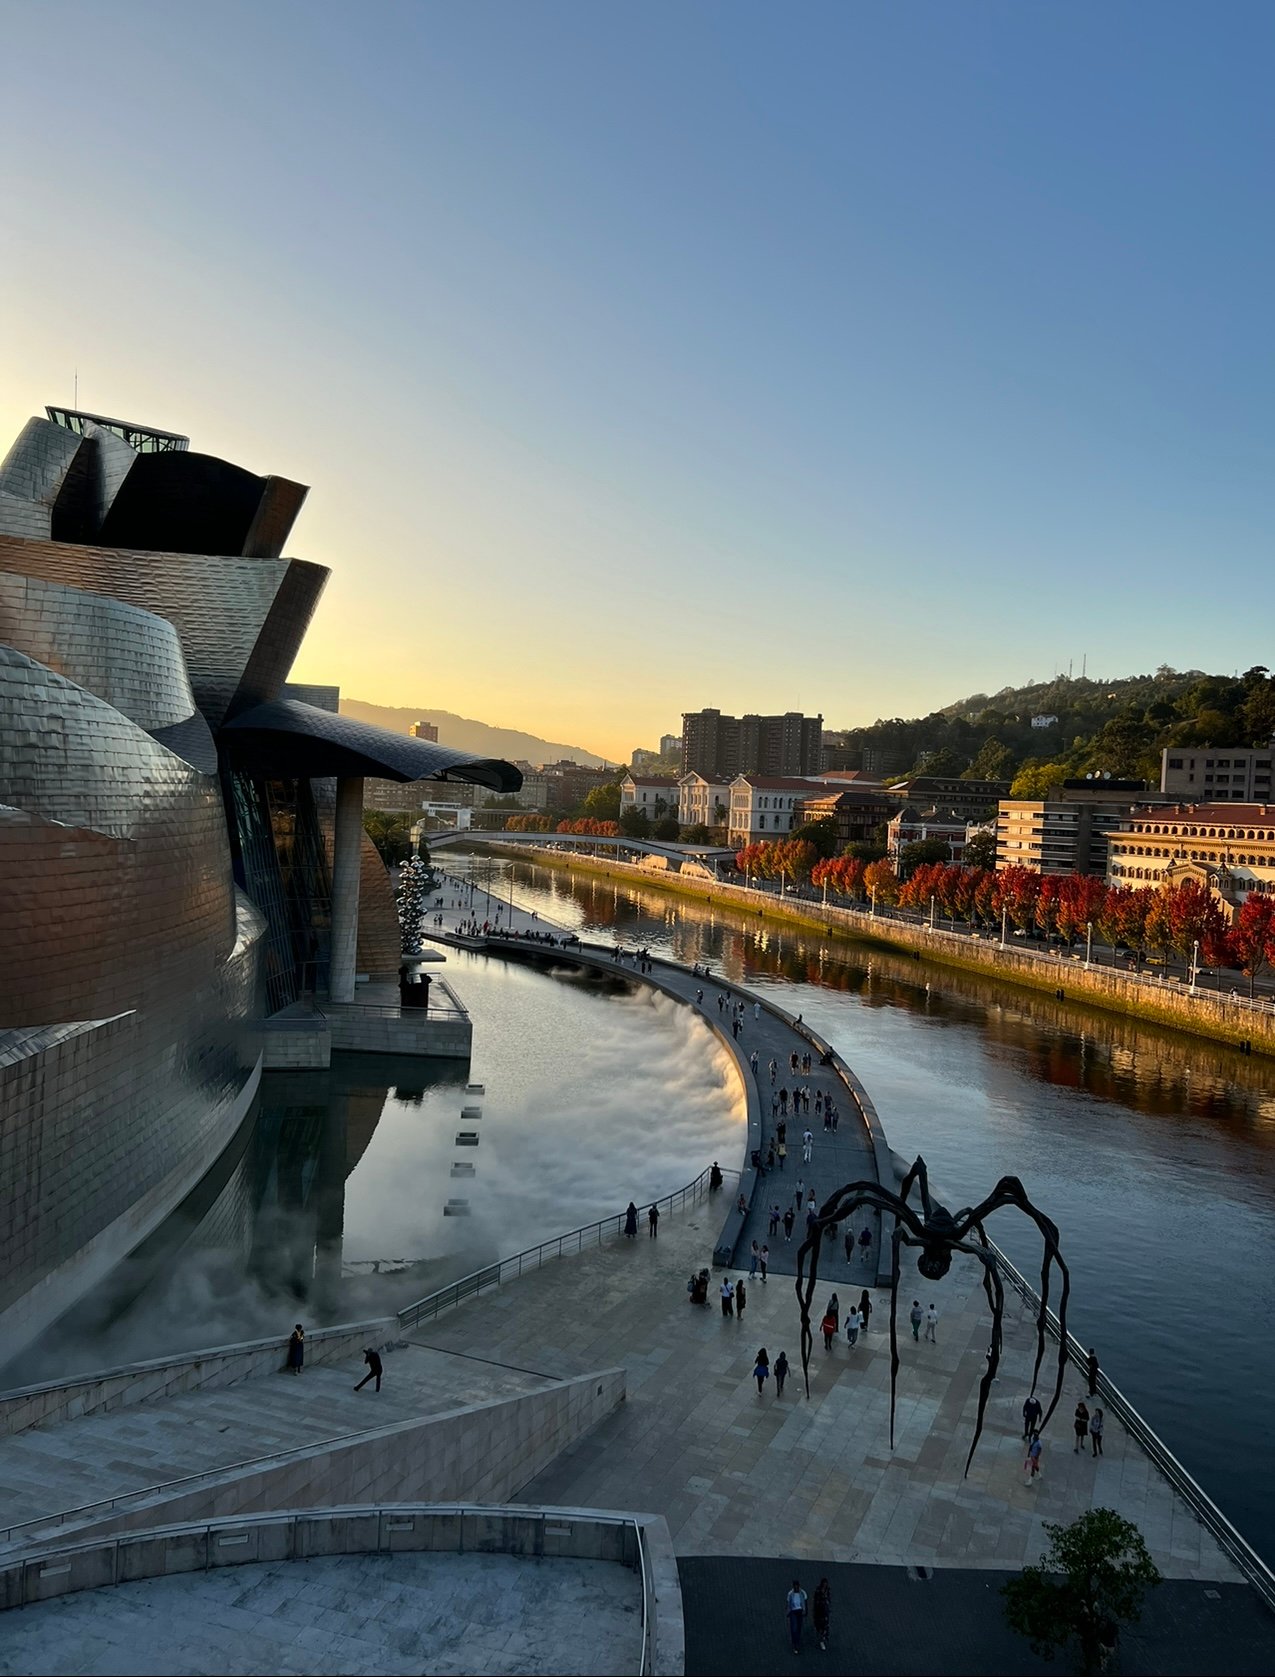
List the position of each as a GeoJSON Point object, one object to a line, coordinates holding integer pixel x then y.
{"type": "Point", "coordinates": [842, 357]}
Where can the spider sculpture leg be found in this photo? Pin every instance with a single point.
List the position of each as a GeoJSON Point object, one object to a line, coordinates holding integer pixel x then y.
{"type": "Point", "coordinates": [996, 1298]}
{"type": "Point", "coordinates": [917, 1173]}
{"type": "Point", "coordinates": [835, 1208]}
{"type": "Point", "coordinates": [1010, 1191]}
{"type": "Point", "coordinates": [896, 1241]}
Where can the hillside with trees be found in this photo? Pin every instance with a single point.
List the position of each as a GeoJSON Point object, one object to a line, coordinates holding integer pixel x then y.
{"type": "Point", "coordinates": [1114, 727]}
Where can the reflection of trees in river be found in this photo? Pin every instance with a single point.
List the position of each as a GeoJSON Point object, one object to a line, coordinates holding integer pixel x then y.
{"type": "Point", "coordinates": [1139, 1065]}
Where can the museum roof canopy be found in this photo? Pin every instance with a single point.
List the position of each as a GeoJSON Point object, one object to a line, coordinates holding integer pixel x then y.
{"type": "Point", "coordinates": [284, 738]}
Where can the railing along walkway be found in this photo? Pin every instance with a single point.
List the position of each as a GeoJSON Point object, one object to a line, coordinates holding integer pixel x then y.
{"type": "Point", "coordinates": [534, 1257]}
{"type": "Point", "coordinates": [1242, 1553]}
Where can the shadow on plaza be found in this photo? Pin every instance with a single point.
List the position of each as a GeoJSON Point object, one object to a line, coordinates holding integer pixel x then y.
{"type": "Point", "coordinates": [887, 1619]}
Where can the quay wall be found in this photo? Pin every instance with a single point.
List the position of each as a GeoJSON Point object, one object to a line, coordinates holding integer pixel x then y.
{"type": "Point", "coordinates": [1215, 1016]}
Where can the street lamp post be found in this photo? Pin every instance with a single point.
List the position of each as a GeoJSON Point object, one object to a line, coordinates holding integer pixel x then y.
{"type": "Point", "coordinates": [825, 890]}
{"type": "Point", "coordinates": [1004, 920]}
{"type": "Point", "coordinates": [873, 915]}
{"type": "Point", "coordinates": [1088, 941]}
{"type": "Point", "coordinates": [932, 899]}
{"type": "Point", "coordinates": [1195, 961]}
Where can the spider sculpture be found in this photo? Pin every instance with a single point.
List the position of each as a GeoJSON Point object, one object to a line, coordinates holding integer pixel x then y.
{"type": "Point", "coordinates": [939, 1233]}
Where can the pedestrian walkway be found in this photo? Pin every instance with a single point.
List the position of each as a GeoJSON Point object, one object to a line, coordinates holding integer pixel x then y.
{"type": "Point", "coordinates": [837, 1158]}
{"type": "Point", "coordinates": [735, 1473]}
{"type": "Point", "coordinates": [50, 1469]}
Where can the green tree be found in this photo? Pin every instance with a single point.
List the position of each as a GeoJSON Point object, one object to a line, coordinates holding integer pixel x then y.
{"type": "Point", "coordinates": [980, 852]}
{"type": "Point", "coordinates": [697, 835]}
{"type": "Point", "coordinates": [634, 824]}
{"type": "Point", "coordinates": [821, 833]}
{"type": "Point", "coordinates": [603, 802]}
{"type": "Point", "coordinates": [1091, 1579]}
{"type": "Point", "coordinates": [390, 830]}
{"type": "Point", "coordinates": [667, 829]}
{"type": "Point", "coordinates": [994, 762]}
{"type": "Point", "coordinates": [1035, 778]}
{"type": "Point", "coordinates": [866, 850]}
{"type": "Point", "coordinates": [921, 852]}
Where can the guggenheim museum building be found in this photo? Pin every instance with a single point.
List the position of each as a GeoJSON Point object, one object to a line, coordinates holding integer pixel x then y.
{"type": "Point", "coordinates": [181, 843]}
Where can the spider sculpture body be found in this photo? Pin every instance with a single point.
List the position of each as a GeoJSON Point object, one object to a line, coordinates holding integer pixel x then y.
{"type": "Point", "coordinates": [939, 1232]}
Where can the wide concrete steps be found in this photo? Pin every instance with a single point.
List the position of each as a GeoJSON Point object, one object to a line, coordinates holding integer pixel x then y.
{"type": "Point", "coordinates": [49, 1470]}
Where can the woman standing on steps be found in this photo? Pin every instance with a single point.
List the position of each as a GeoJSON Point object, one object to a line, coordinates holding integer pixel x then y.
{"type": "Point", "coordinates": [296, 1349]}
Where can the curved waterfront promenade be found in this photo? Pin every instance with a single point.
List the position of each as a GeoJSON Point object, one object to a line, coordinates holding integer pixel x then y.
{"type": "Point", "coordinates": [855, 1151]}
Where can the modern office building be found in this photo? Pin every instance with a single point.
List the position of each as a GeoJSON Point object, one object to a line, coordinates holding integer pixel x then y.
{"type": "Point", "coordinates": [181, 840]}
{"type": "Point", "coordinates": [1067, 830]}
{"type": "Point", "coordinates": [722, 747]}
{"type": "Point", "coordinates": [1217, 774]}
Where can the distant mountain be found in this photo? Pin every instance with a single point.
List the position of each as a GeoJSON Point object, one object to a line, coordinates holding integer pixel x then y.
{"type": "Point", "coordinates": [465, 734]}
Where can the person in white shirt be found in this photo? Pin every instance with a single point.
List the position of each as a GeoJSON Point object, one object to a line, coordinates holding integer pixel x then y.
{"type": "Point", "coordinates": [796, 1604]}
{"type": "Point", "coordinates": [852, 1325]}
{"type": "Point", "coordinates": [931, 1322]}
{"type": "Point", "coordinates": [808, 1145]}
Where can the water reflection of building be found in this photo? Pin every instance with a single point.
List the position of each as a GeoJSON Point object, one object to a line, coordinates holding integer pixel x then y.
{"type": "Point", "coordinates": [181, 840]}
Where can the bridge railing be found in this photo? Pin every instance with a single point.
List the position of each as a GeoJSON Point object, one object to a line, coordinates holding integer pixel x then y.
{"type": "Point", "coordinates": [534, 1257]}
{"type": "Point", "coordinates": [1210, 1516]}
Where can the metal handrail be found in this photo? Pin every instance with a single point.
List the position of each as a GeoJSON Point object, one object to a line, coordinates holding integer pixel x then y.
{"type": "Point", "coordinates": [391, 1010]}
{"type": "Point", "coordinates": [1229, 1540]}
{"type": "Point", "coordinates": [644, 1660]}
{"type": "Point", "coordinates": [494, 1275]}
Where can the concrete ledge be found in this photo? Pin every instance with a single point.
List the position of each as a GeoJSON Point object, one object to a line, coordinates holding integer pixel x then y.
{"type": "Point", "coordinates": [476, 1452]}
{"type": "Point", "coordinates": [190, 1371]}
{"type": "Point", "coordinates": [638, 1541]}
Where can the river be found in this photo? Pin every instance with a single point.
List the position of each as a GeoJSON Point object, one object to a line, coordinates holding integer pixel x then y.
{"type": "Point", "coordinates": [1153, 1152]}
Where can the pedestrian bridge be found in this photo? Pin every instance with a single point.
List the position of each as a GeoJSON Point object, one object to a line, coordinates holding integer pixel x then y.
{"type": "Point", "coordinates": [701, 860]}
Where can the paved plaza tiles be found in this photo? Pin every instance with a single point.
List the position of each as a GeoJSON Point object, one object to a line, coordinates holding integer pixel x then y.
{"type": "Point", "coordinates": [735, 1473]}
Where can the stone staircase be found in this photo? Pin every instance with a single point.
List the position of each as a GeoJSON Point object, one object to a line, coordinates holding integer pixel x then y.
{"type": "Point", "coordinates": [49, 1470]}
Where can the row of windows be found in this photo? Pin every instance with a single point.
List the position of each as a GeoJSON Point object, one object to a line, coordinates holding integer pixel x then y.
{"type": "Point", "coordinates": [1203, 832]}
{"type": "Point", "coordinates": [1119, 871]}
{"type": "Point", "coordinates": [1224, 762]}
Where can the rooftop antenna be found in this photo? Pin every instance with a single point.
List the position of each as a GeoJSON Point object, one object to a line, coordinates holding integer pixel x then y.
{"type": "Point", "coordinates": [1084, 664]}
{"type": "Point", "coordinates": [75, 400]}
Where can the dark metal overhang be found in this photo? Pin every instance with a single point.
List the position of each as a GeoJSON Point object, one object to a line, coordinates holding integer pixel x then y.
{"type": "Point", "coordinates": [285, 737]}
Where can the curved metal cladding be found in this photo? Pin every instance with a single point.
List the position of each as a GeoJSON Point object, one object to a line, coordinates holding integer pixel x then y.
{"type": "Point", "coordinates": [131, 989]}
{"type": "Point", "coordinates": [239, 621]}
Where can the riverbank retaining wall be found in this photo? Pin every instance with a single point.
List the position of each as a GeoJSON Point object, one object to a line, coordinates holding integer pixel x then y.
{"type": "Point", "coordinates": [1218, 1016]}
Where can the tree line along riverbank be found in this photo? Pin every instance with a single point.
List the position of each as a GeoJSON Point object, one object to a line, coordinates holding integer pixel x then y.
{"type": "Point", "coordinates": [1216, 1017]}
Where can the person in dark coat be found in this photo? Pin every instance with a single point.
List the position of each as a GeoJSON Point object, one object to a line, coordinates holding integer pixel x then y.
{"type": "Point", "coordinates": [373, 1361]}
{"type": "Point", "coordinates": [296, 1349]}
{"type": "Point", "coordinates": [630, 1221]}
{"type": "Point", "coordinates": [653, 1220]}
{"type": "Point", "coordinates": [1091, 1369]}
{"type": "Point", "coordinates": [865, 1309]}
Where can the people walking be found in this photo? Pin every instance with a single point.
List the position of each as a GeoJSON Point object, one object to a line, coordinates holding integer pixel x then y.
{"type": "Point", "coordinates": [916, 1316]}
{"type": "Point", "coordinates": [765, 1263]}
{"type": "Point", "coordinates": [931, 1324]}
{"type": "Point", "coordinates": [774, 1218]}
{"type": "Point", "coordinates": [849, 1242]}
{"type": "Point", "coordinates": [761, 1371]}
{"type": "Point", "coordinates": [852, 1326]}
{"type": "Point", "coordinates": [833, 1309]}
{"type": "Point", "coordinates": [1080, 1426]}
{"type": "Point", "coordinates": [1031, 1416]}
{"type": "Point", "coordinates": [796, 1612]}
{"type": "Point", "coordinates": [653, 1220]}
{"type": "Point", "coordinates": [828, 1327]}
{"type": "Point", "coordinates": [1097, 1426]}
{"type": "Point", "coordinates": [296, 1349]}
{"type": "Point", "coordinates": [1091, 1369]}
{"type": "Point", "coordinates": [630, 1221]}
{"type": "Point", "coordinates": [865, 1309]}
{"type": "Point", "coordinates": [823, 1612]}
{"type": "Point", "coordinates": [373, 1361]}
{"type": "Point", "coordinates": [741, 1297]}
{"type": "Point", "coordinates": [789, 1219]}
{"type": "Point", "coordinates": [774, 1070]}
{"type": "Point", "coordinates": [781, 1373]}
{"type": "Point", "coordinates": [754, 1258]}
{"type": "Point", "coordinates": [727, 1296]}
{"type": "Point", "coordinates": [865, 1241]}
{"type": "Point", "coordinates": [807, 1146]}
{"type": "Point", "coordinates": [782, 1152]}
{"type": "Point", "coordinates": [1031, 1467]}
